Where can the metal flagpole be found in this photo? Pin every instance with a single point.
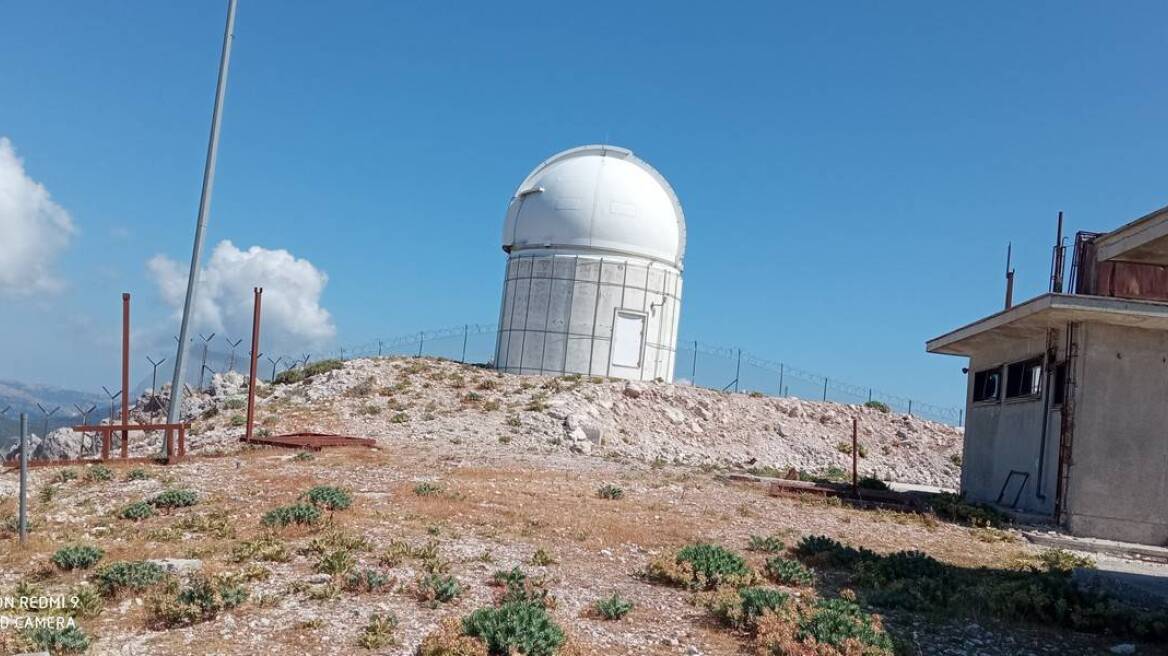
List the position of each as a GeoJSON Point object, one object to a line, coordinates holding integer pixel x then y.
{"type": "Point", "coordinates": [176, 386]}
{"type": "Point", "coordinates": [22, 519]}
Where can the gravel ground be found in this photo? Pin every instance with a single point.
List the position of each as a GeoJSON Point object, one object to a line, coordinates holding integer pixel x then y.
{"type": "Point", "coordinates": [518, 461]}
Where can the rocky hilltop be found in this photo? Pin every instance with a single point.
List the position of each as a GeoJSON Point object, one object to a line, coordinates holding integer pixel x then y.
{"type": "Point", "coordinates": [399, 401]}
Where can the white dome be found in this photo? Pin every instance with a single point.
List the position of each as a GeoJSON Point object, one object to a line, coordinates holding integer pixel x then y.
{"type": "Point", "coordinates": [597, 198]}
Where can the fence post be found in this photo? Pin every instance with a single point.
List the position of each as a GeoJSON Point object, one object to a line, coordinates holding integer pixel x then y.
{"type": "Point", "coordinates": [855, 455]}
{"type": "Point", "coordinates": [421, 342]}
{"type": "Point", "coordinates": [465, 335]}
{"type": "Point", "coordinates": [23, 519]}
{"type": "Point", "coordinates": [910, 407]}
{"type": "Point", "coordinates": [379, 348]}
{"type": "Point", "coordinates": [869, 395]}
{"type": "Point", "coordinates": [738, 370]}
{"type": "Point", "coordinates": [693, 374]}
{"type": "Point", "coordinates": [781, 379]}
{"type": "Point", "coordinates": [961, 418]}
{"type": "Point", "coordinates": [825, 389]}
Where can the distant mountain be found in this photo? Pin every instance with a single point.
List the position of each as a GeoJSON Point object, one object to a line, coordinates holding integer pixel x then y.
{"type": "Point", "coordinates": [20, 397]}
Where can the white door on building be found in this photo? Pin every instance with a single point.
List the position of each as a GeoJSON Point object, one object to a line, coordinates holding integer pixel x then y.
{"type": "Point", "coordinates": [628, 339]}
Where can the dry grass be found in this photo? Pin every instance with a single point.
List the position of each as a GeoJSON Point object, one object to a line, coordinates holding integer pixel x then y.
{"type": "Point", "coordinates": [506, 508]}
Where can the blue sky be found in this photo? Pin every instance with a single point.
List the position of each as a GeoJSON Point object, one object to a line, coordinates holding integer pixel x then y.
{"type": "Point", "coordinates": [851, 172]}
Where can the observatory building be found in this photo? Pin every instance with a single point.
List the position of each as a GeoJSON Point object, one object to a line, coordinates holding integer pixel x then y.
{"type": "Point", "coordinates": [1065, 393]}
{"type": "Point", "coordinates": [595, 239]}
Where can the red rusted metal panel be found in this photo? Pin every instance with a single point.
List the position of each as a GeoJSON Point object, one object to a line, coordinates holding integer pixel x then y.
{"type": "Point", "coordinates": [311, 441]}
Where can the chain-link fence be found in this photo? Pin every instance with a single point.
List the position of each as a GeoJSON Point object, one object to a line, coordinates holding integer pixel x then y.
{"type": "Point", "coordinates": [733, 369]}
{"type": "Point", "coordinates": [697, 364]}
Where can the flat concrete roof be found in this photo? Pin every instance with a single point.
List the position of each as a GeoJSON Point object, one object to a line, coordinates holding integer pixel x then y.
{"type": "Point", "coordinates": [1041, 313]}
{"type": "Point", "coordinates": [1142, 240]}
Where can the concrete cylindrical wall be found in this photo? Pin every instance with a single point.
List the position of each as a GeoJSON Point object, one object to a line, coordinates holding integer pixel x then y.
{"type": "Point", "coordinates": [588, 314]}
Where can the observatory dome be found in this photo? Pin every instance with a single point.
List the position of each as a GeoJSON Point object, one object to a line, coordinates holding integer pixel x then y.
{"type": "Point", "coordinates": [598, 199]}
{"type": "Point", "coordinates": [594, 240]}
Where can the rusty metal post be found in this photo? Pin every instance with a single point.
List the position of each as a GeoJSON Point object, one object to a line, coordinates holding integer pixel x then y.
{"type": "Point", "coordinates": [255, 353]}
{"type": "Point", "coordinates": [125, 372]}
{"type": "Point", "coordinates": [855, 455]}
{"type": "Point", "coordinates": [105, 443]}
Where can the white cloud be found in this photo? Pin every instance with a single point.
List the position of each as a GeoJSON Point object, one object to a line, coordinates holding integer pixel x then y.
{"type": "Point", "coordinates": [292, 316]}
{"type": "Point", "coordinates": [33, 229]}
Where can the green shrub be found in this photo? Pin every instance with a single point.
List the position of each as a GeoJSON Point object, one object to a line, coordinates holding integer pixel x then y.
{"type": "Point", "coordinates": [263, 549]}
{"type": "Point", "coordinates": [436, 588]}
{"type": "Point", "coordinates": [174, 499]}
{"type": "Point", "coordinates": [399, 418]}
{"type": "Point", "coordinates": [520, 588]}
{"type": "Point", "coordinates": [329, 497]}
{"type": "Point", "coordinates": [789, 572]}
{"type": "Point", "coordinates": [201, 599]}
{"type": "Point", "coordinates": [127, 575]}
{"type": "Point", "coordinates": [303, 456]}
{"type": "Point", "coordinates": [54, 640]}
{"type": "Point", "coordinates": [1043, 592]}
{"type": "Point", "coordinates": [610, 491]}
{"type": "Point", "coordinates": [362, 389]}
{"type": "Point", "coordinates": [307, 371]}
{"type": "Point", "coordinates": [614, 607]}
{"type": "Point", "coordinates": [77, 557]}
{"type": "Point", "coordinates": [136, 511]}
{"type": "Point", "coordinates": [702, 567]}
{"type": "Point", "coordinates": [840, 623]}
{"type": "Point", "coordinates": [870, 483]}
{"type": "Point", "coordinates": [1061, 560]}
{"type": "Point", "coordinates": [301, 514]}
{"type": "Point", "coordinates": [427, 489]}
{"type": "Point", "coordinates": [742, 609]}
{"type": "Point", "coordinates": [543, 558]}
{"type": "Point", "coordinates": [238, 420]}
{"type": "Point", "coordinates": [84, 601]}
{"type": "Point", "coordinates": [955, 459]}
{"type": "Point", "coordinates": [335, 562]}
{"type": "Point", "coordinates": [952, 507]}
{"type": "Point", "coordinates": [137, 474]}
{"type": "Point", "coordinates": [367, 580]}
{"type": "Point", "coordinates": [765, 544]}
{"type": "Point", "coordinates": [878, 405]}
{"type": "Point", "coordinates": [824, 550]}
{"type": "Point", "coordinates": [378, 632]}
{"type": "Point", "coordinates": [515, 627]}
{"type": "Point", "coordinates": [66, 475]}
{"type": "Point", "coordinates": [99, 473]}
{"type": "Point", "coordinates": [289, 376]}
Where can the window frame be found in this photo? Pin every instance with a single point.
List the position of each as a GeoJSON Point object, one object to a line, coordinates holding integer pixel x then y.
{"type": "Point", "coordinates": [977, 393]}
{"type": "Point", "coordinates": [1032, 366]}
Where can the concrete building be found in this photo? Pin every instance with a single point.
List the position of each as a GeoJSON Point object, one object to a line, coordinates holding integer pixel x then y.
{"type": "Point", "coordinates": [595, 239]}
{"type": "Point", "coordinates": [1067, 397]}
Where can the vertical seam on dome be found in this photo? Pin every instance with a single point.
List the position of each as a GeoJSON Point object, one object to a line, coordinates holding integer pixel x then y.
{"type": "Point", "coordinates": [595, 201]}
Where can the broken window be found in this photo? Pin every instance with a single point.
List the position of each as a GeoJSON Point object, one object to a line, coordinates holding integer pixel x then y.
{"type": "Point", "coordinates": [1024, 378]}
{"type": "Point", "coordinates": [987, 385]}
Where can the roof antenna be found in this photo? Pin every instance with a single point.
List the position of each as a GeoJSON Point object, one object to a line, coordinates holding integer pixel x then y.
{"type": "Point", "coordinates": [1009, 276]}
{"type": "Point", "coordinates": [1058, 258]}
